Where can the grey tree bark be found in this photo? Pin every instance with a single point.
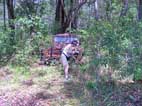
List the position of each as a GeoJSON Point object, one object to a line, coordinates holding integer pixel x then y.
{"type": "Point", "coordinates": [96, 10]}
{"type": "Point", "coordinates": [124, 8]}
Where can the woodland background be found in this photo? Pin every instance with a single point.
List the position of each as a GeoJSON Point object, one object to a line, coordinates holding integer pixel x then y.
{"type": "Point", "coordinates": [111, 35]}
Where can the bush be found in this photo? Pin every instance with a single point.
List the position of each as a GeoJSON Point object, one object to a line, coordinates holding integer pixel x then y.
{"type": "Point", "coordinates": [91, 85]}
{"type": "Point", "coordinates": [27, 38]}
{"type": "Point", "coordinates": [116, 44]}
{"type": "Point", "coordinates": [7, 47]}
{"type": "Point", "coordinates": [138, 74]}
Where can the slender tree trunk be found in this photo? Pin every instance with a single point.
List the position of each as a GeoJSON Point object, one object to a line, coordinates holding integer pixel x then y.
{"type": "Point", "coordinates": [4, 15]}
{"type": "Point", "coordinates": [75, 18]}
{"type": "Point", "coordinates": [74, 23]}
{"type": "Point", "coordinates": [11, 16]}
{"type": "Point", "coordinates": [140, 10]}
{"type": "Point", "coordinates": [96, 10]}
{"type": "Point", "coordinates": [109, 9]}
{"type": "Point", "coordinates": [124, 8]}
{"type": "Point", "coordinates": [59, 15]}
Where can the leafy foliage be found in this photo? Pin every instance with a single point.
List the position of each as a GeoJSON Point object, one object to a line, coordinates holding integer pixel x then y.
{"type": "Point", "coordinates": [31, 8]}
{"type": "Point", "coordinates": [30, 35]}
{"type": "Point", "coordinates": [117, 44]}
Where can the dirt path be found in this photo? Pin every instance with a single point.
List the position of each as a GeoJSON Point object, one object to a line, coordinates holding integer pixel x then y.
{"type": "Point", "coordinates": [44, 87]}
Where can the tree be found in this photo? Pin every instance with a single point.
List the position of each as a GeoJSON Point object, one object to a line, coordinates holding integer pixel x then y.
{"type": "Point", "coordinates": [140, 10]}
{"type": "Point", "coordinates": [108, 8]}
{"type": "Point", "coordinates": [64, 18]}
{"type": "Point", "coordinates": [11, 15]}
{"type": "Point", "coordinates": [96, 10]}
{"type": "Point", "coordinates": [75, 19]}
{"type": "Point", "coordinates": [27, 8]}
{"type": "Point", "coordinates": [4, 14]}
{"type": "Point", "coordinates": [124, 8]}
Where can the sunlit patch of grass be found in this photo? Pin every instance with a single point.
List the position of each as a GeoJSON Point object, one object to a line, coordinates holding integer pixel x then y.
{"type": "Point", "coordinates": [18, 74]}
{"type": "Point", "coordinates": [49, 79]}
{"type": "Point", "coordinates": [49, 73]}
{"type": "Point", "coordinates": [40, 75]}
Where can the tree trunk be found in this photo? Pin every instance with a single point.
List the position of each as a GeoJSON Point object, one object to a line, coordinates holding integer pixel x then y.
{"type": "Point", "coordinates": [4, 15]}
{"type": "Point", "coordinates": [65, 18]}
{"type": "Point", "coordinates": [11, 16]}
{"type": "Point", "coordinates": [59, 17]}
{"type": "Point", "coordinates": [124, 8]}
{"type": "Point", "coordinates": [74, 23]}
{"type": "Point", "coordinates": [75, 19]}
{"type": "Point", "coordinates": [140, 10]}
{"type": "Point", "coordinates": [108, 9]}
{"type": "Point", "coordinates": [96, 10]}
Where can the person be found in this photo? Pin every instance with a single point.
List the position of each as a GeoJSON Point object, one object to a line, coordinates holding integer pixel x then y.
{"type": "Point", "coordinates": [67, 52]}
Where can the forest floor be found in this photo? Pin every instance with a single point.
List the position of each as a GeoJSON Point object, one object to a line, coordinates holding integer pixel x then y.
{"type": "Point", "coordinates": [40, 85]}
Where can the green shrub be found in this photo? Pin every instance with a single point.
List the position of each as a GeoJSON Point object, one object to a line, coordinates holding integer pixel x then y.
{"type": "Point", "coordinates": [29, 36]}
{"type": "Point", "coordinates": [91, 85]}
{"type": "Point", "coordinates": [115, 43]}
{"type": "Point", "coordinates": [138, 74]}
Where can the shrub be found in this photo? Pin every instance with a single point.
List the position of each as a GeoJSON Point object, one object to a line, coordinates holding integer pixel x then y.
{"type": "Point", "coordinates": [116, 44]}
